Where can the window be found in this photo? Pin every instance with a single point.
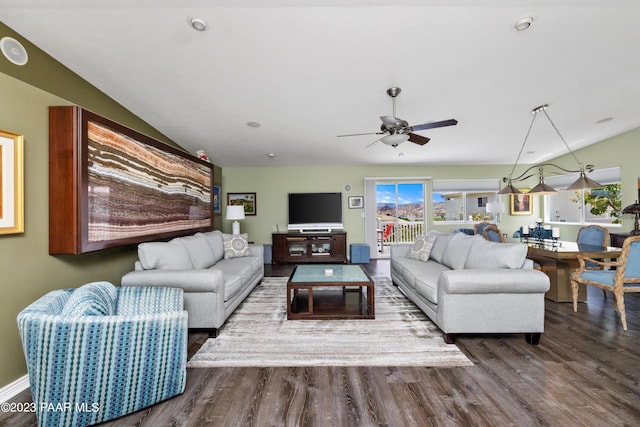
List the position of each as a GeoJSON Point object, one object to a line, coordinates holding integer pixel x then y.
{"type": "Point", "coordinates": [596, 206]}
{"type": "Point", "coordinates": [464, 200]}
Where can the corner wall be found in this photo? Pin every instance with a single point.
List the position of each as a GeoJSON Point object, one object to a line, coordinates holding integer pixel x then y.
{"type": "Point", "coordinates": [27, 270]}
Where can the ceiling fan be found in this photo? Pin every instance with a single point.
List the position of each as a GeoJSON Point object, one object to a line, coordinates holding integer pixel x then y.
{"type": "Point", "coordinates": [396, 131]}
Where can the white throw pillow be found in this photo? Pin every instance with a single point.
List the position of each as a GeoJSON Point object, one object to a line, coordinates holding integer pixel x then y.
{"type": "Point", "coordinates": [421, 248]}
{"type": "Point", "coordinates": [236, 245]}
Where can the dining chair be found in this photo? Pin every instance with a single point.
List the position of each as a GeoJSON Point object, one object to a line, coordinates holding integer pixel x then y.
{"type": "Point", "coordinates": [492, 232]}
{"type": "Point", "coordinates": [625, 277]}
{"type": "Point", "coordinates": [595, 235]}
{"type": "Point", "coordinates": [479, 227]}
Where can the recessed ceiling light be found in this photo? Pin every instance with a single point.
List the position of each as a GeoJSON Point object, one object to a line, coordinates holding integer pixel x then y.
{"type": "Point", "coordinates": [604, 120]}
{"type": "Point", "coordinates": [198, 24]}
{"type": "Point", "coordinates": [253, 124]}
{"type": "Point", "coordinates": [523, 23]}
{"type": "Point", "coordinates": [270, 155]}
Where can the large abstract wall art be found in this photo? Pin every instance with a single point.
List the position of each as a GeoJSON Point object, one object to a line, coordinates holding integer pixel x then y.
{"type": "Point", "coordinates": [112, 186]}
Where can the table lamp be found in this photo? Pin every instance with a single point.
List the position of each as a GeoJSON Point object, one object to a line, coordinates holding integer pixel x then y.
{"type": "Point", "coordinates": [234, 213]}
{"type": "Point", "coordinates": [496, 209]}
{"type": "Point", "coordinates": [633, 209]}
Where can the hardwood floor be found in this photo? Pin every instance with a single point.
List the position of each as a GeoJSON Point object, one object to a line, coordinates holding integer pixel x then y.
{"type": "Point", "coordinates": [585, 372]}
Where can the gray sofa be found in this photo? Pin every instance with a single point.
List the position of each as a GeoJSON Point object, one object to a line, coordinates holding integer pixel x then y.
{"type": "Point", "coordinates": [466, 284]}
{"type": "Point", "coordinates": [216, 271]}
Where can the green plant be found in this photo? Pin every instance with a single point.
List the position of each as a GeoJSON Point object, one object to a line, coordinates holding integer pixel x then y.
{"type": "Point", "coordinates": [602, 200]}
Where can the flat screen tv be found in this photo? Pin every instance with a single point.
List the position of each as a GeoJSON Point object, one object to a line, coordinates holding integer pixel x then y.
{"type": "Point", "coordinates": [315, 211]}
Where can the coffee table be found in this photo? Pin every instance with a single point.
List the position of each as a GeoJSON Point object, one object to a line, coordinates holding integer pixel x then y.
{"type": "Point", "coordinates": [330, 291]}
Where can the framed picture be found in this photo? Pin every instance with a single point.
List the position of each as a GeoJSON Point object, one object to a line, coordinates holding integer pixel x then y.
{"type": "Point", "coordinates": [248, 200]}
{"type": "Point", "coordinates": [521, 204]}
{"type": "Point", "coordinates": [216, 200]}
{"type": "Point", "coordinates": [356, 202]}
{"type": "Point", "coordinates": [11, 183]}
{"type": "Point", "coordinates": [111, 186]}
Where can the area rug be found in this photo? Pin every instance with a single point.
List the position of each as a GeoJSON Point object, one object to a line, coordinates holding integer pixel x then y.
{"type": "Point", "coordinates": [258, 334]}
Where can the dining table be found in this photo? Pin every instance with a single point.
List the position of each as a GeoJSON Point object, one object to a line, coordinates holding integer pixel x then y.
{"type": "Point", "coordinates": [558, 259]}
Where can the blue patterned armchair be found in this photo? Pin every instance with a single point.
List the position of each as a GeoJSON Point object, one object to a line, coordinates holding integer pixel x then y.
{"type": "Point", "coordinates": [99, 352]}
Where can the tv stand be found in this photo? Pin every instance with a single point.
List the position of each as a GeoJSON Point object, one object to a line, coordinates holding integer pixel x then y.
{"type": "Point", "coordinates": [307, 247]}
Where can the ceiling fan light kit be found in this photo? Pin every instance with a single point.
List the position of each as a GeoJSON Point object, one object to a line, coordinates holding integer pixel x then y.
{"type": "Point", "coordinates": [582, 183]}
{"type": "Point", "coordinates": [395, 139]}
{"type": "Point", "coordinates": [396, 131]}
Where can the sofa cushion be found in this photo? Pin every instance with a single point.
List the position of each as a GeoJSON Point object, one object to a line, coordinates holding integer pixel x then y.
{"type": "Point", "coordinates": [485, 254]}
{"type": "Point", "coordinates": [439, 246]}
{"type": "Point", "coordinates": [216, 244]}
{"type": "Point", "coordinates": [421, 248]}
{"type": "Point", "coordinates": [92, 299]}
{"type": "Point", "coordinates": [424, 276]}
{"type": "Point", "coordinates": [164, 255]}
{"type": "Point", "coordinates": [236, 245]}
{"type": "Point", "coordinates": [456, 252]}
{"type": "Point", "coordinates": [198, 249]}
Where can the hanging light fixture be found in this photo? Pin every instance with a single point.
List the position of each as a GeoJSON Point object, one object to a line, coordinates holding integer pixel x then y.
{"type": "Point", "coordinates": [583, 182]}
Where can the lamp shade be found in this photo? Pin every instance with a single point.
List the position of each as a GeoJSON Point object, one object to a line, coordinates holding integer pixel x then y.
{"type": "Point", "coordinates": [494, 207]}
{"type": "Point", "coordinates": [583, 183]}
{"type": "Point", "coordinates": [509, 189]}
{"type": "Point", "coordinates": [235, 212]}
{"type": "Point", "coordinates": [632, 209]}
{"type": "Point", "coordinates": [542, 189]}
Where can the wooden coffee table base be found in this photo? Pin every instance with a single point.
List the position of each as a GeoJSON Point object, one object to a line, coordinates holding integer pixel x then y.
{"type": "Point", "coordinates": [315, 292]}
{"type": "Point", "coordinates": [305, 302]}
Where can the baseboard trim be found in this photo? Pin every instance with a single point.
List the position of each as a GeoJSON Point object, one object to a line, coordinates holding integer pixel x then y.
{"type": "Point", "coordinates": [13, 389]}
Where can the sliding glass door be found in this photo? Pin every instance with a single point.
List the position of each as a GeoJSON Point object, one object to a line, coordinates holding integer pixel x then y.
{"type": "Point", "coordinates": [398, 215]}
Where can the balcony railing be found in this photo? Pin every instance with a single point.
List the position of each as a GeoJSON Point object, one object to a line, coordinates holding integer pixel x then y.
{"type": "Point", "coordinates": [403, 231]}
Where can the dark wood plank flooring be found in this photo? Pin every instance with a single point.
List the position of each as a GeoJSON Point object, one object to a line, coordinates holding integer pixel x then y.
{"type": "Point", "coordinates": [585, 372]}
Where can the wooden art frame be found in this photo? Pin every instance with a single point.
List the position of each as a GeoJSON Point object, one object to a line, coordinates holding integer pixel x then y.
{"type": "Point", "coordinates": [112, 186]}
{"type": "Point", "coordinates": [521, 204]}
{"type": "Point", "coordinates": [248, 200]}
{"type": "Point", "coordinates": [11, 183]}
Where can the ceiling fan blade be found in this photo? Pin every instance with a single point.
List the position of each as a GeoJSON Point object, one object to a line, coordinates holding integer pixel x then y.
{"type": "Point", "coordinates": [373, 143]}
{"type": "Point", "coordinates": [418, 139]}
{"type": "Point", "coordinates": [432, 125]}
{"type": "Point", "coordinates": [359, 134]}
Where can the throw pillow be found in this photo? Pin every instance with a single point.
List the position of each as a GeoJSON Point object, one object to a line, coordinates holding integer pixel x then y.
{"type": "Point", "coordinates": [485, 254]}
{"type": "Point", "coordinates": [92, 299]}
{"type": "Point", "coordinates": [235, 245]}
{"type": "Point", "coordinates": [421, 248]}
{"type": "Point", "coordinates": [164, 255]}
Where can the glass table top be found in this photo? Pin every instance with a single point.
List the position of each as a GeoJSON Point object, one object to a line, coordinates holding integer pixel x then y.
{"type": "Point", "coordinates": [318, 273]}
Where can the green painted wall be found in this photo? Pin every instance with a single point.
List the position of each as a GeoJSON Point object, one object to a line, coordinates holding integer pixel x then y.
{"type": "Point", "coordinates": [27, 270]}
{"type": "Point", "coordinates": [271, 185]}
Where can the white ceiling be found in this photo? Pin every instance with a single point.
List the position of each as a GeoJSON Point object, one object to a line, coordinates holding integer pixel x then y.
{"type": "Point", "coordinates": [310, 70]}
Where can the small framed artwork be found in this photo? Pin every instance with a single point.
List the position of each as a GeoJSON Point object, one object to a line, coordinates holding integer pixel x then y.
{"type": "Point", "coordinates": [11, 183]}
{"type": "Point", "coordinates": [248, 200]}
{"type": "Point", "coordinates": [216, 200]}
{"type": "Point", "coordinates": [356, 202]}
{"type": "Point", "coordinates": [521, 204]}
